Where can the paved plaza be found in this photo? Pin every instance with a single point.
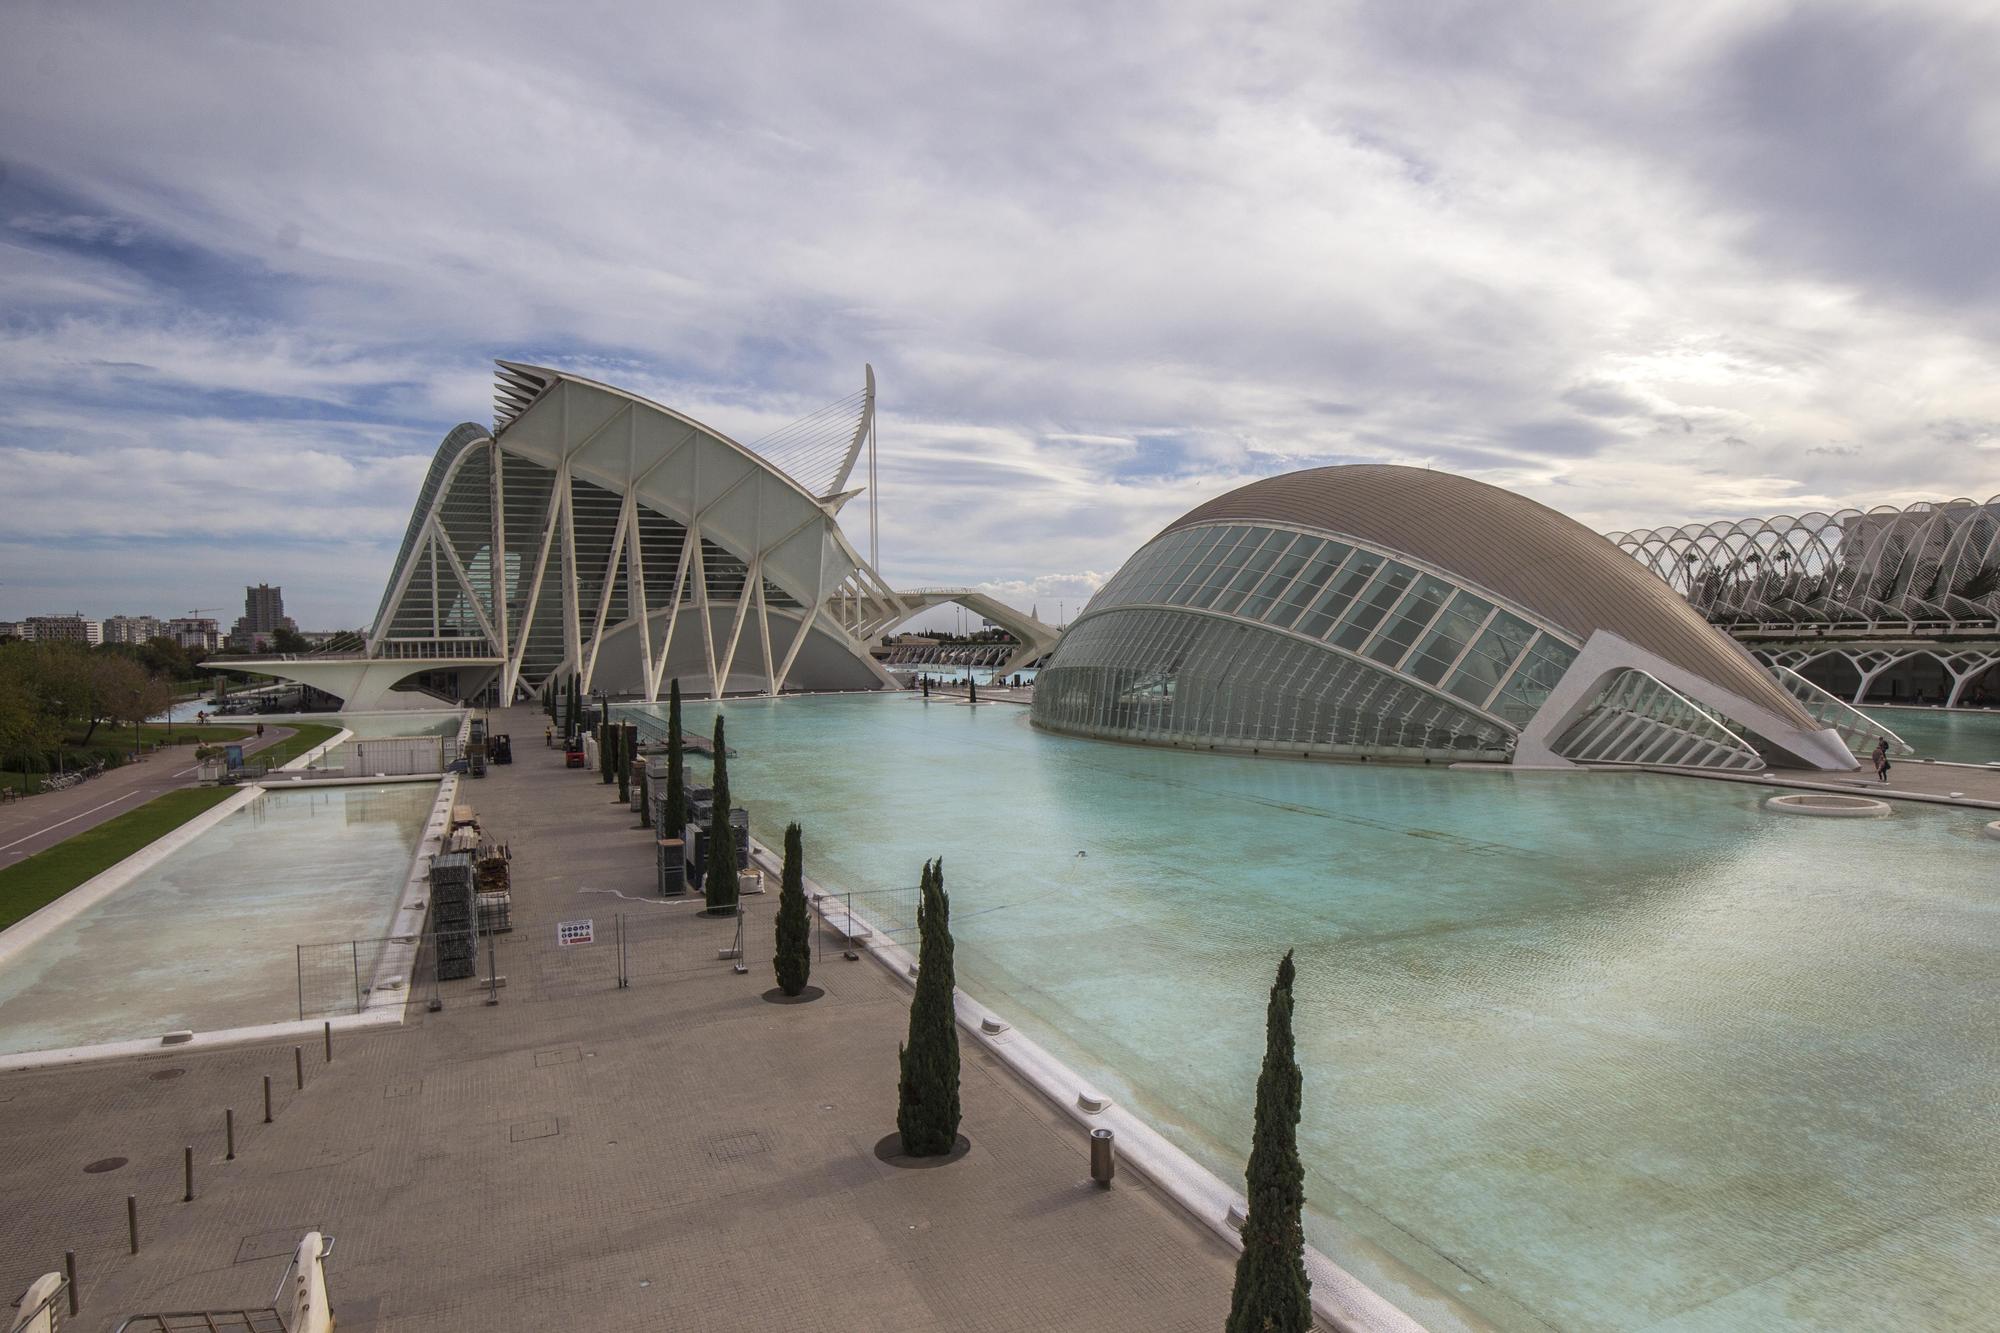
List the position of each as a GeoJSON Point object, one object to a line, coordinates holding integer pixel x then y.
{"type": "Point", "coordinates": [677, 1154]}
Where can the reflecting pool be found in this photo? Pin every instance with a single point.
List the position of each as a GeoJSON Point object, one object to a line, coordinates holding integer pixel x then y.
{"type": "Point", "coordinates": [376, 726]}
{"type": "Point", "coordinates": [1961, 736]}
{"type": "Point", "coordinates": [205, 939]}
{"type": "Point", "coordinates": [1581, 1052]}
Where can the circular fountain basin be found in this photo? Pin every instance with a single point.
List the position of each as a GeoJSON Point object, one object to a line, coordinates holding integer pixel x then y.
{"type": "Point", "coordinates": [1828, 805]}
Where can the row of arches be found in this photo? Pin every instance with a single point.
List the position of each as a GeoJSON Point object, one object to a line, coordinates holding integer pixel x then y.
{"type": "Point", "coordinates": [1863, 675]}
{"type": "Point", "coordinates": [1923, 564]}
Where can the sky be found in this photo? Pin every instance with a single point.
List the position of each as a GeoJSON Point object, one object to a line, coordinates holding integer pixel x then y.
{"type": "Point", "coordinates": [1646, 263]}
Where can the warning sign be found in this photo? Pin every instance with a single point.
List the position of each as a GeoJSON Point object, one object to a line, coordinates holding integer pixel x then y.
{"type": "Point", "coordinates": [574, 932]}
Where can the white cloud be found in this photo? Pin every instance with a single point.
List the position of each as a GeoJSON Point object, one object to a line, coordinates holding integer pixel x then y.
{"type": "Point", "coordinates": [1103, 268]}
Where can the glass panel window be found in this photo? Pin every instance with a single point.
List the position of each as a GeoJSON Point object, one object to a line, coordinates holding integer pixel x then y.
{"type": "Point", "coordinates": [1310, 584]}
{"type": "Point", "coordinates": [1334, 599]}
{"type": "Point", "coordinates": [1412, 615]}
{"type": "Point", "coordinates": [1223, 564]}
{"type": "Point", "coordinates": [1487, 663]}
{"type": "Point", "coordinates": [1186, 577]}
{"type": "Point", "coordinates": [1281, 576]}
{"type": "Point", "coordinates": [1369, 608]}
{"type": "Point", "coordinates": [1528, 688]}
{"type": "Point", "coordinates": [1253, 572]}
{"type": "Point", "coordinates": [1454, 629]}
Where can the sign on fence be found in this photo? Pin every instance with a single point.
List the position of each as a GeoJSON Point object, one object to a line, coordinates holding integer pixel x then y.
{"type": "Point", "coordinates": [574, 932]}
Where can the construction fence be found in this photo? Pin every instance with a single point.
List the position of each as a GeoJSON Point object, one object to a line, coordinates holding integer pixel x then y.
{"type": "Point", "coordinates": [528, 962]}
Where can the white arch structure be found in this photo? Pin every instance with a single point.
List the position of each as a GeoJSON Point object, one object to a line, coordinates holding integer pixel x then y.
{"type": "Point", "coordinates": [595, 533]}
{"type": "Point", "coordinates": [1922, 568]}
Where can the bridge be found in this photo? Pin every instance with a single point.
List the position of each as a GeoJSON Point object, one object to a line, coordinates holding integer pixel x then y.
{"type": "Point", "coordinates": [880, 610]}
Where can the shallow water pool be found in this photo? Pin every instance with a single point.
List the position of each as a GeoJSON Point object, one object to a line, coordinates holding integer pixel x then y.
{"type": "Point", "coordinates": [1581, 1052]}
{"type": "Point", "coordinates": [206, 938]}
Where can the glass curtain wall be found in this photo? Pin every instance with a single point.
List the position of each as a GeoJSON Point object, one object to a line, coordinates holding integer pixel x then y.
{"type": "Point", "coordinates": [1244, 636]}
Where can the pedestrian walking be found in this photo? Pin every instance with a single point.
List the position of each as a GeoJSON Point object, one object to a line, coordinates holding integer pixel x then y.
{"type": "Point", "coordinates": [1881, 757]}
{"type": "Point", "coordinates": [260, 731]}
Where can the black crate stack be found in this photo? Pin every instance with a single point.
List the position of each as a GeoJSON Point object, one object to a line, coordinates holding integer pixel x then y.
{"type": "Point", "coordinates": [452, 914]}
{"type": "Point", "coordinates": [673, 867]}
{"type": "Point", "coordinates": [739, 827]}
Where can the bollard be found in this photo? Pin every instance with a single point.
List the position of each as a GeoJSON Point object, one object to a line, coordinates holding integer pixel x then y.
{"type": "Point", "coordinates": [267, 1099]}
{"type": "Point", "coordinates": [229, 1134]}
{"type": "Point", "coordinates": [132, 1219]}
{"type": "Point", "coordinates": [69, 1277]}
{"type": "Point", "coordinates": [329, 1041]}
{"type": "Point", "coordinates": [1101, 1163]}
{"type": "Point", "coordinates": [299, 1066]}
{"type": "Point", "coordinates": [188, 1159]}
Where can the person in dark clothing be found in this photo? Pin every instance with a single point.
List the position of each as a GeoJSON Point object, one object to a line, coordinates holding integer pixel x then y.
{"type": "Point", "coordinates": [1881, 758]}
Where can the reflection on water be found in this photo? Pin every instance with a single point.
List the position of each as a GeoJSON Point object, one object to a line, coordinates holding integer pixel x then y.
{"type": "Point", "coordinates": [206, 938]}
{"type": "Point", "coordinates": [1960, 736]}
{"type": "Point", "coordinates": [1605, 1051]}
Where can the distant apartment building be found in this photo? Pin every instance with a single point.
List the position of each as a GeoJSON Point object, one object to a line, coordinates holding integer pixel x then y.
{"type": "Point", "coordinates": [72, 628]}
{"type": "Point", "coordinates": [10, 629]}
{"type": "Point", "coordinates": [263, 615]}
{"type": "Point", "coordinates": [133, 629]}
{"type": "Point", "coordinates": [191, 632]}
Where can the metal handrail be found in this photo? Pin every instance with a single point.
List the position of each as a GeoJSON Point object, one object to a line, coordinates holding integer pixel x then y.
{"type": "Point", "coordinates": [325, 1255]}
{"type": "Point", "coordinates": [275, 1308]}
{"type": "Point", "coordinates": [47, 1307]}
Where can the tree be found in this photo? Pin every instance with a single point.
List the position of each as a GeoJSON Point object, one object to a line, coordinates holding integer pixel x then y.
{"type": "Point", "coordinates": [677, 801]}
{"type": "Point", "coordinates": [1272, 1291]}
{"type": "Point", "coordinates": [971, 689]}
{"type": "Point", "coordinates": [927, 1110]}
{"type": "Point", "coordinates": [607, 749]}
{"type": "Point", "coordinates": [284, 639]}
{"type": "Point", "coordinates": [645, 799]}
{"type": "Point", "coordinates": [719, 879]}
{"type": "Point", "coordinates": [624, 767]}
{"type": "Point", "coordinates": [793, 958]}
{"type": "Point", "coordinates": [126, 692]}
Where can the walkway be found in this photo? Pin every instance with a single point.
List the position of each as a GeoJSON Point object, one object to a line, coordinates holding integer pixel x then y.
{"type": "Point", "coordinates": [677, 1155]}
{"type": "Point", "coordinates": [1909, 780]}
{"type": "Point", "coordinates": [35, 823]}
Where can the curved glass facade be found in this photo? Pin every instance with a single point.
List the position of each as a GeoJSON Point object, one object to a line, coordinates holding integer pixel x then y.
{"type": "Point", "coordinates": [1265, 637]}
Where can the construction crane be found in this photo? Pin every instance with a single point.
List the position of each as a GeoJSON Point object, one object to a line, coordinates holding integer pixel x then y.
{"type": "Point", "coordinates": [201, 609]}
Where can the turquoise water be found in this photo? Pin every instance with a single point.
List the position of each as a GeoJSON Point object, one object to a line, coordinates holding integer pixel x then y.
{"type": "Point", "coordinates": [206, 938]}
{"type": "Point", "coordinates": [1960, 736]}
{"type": "Point", "coordinates": [1612, 1052]}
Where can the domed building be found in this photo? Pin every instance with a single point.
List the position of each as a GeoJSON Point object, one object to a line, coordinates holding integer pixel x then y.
{"type": "Point", "coordinates": [1392, 612]}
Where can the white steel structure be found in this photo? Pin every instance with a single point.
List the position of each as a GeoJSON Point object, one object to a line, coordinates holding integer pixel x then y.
{"type": "Point", "coordinates": [597, 534]}
{"type": "Point", "coordinates": [1924, 568]}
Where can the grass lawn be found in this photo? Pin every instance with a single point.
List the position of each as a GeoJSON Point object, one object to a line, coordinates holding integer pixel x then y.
{"type": "Point", "coordinates": [159, 733]}
{"type": "Point", "coordinates": [306, 735]}
{"type": "Point", "coordinates": [118, 740]}
{"type": "Point", "coordinates": [48, 875]}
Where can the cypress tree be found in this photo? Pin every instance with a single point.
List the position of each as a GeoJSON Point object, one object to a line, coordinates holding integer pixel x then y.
{"type": "Point", "coordinates": [677, 801]}
{"type": "Point", "coordinates": [719, 880]}
{"type": "Point", "coordinates": [607, 747]}
{"type": "Point", "coordinates": [971, 689]}
{"type": "Point", "coordinates": [1272, 1292]}
{"type": "Point", "coordinates": [624, 767]}
{"type": "Point", "coordinates": [793, 958]}
{"type": "Point", "coordinates": [927, 1095]}
{"type": "Point", "coordinates": [645, 802]}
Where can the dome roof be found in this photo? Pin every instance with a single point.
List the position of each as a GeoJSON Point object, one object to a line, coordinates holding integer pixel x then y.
{"type": "Point", "coordinates": [1520, 551]}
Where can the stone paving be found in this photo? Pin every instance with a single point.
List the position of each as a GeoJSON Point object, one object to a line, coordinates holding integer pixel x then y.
{"type": "Point", "coordinates": [679, 1154]}
{"type": "Point", "coordinates": [36, 823]}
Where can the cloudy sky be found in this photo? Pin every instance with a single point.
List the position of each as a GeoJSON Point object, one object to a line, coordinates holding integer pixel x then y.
{"type": "Point", "coordinates": [1647, 263]}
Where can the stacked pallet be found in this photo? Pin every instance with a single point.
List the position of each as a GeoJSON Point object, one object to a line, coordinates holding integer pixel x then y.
{"type": "Point", "coordinates": [492, 878]}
